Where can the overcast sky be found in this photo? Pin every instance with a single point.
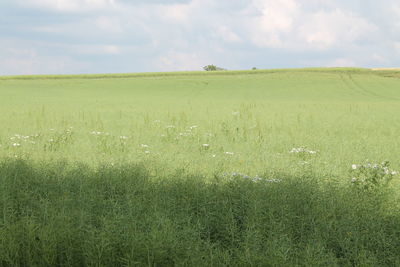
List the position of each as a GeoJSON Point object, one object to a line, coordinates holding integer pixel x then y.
{"type": "Point", "coordinates": [109, 36]}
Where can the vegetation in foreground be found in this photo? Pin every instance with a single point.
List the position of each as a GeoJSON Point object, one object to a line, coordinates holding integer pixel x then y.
{"type": "Point", "coordinates": [65, 215]}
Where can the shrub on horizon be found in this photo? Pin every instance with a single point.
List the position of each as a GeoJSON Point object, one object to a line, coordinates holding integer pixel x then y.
{"type": "Point", "coordinates": [212, 68]}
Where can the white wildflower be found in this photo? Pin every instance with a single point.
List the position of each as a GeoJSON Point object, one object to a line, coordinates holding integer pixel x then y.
{"type": "Point", "coordinates": [296, 150]}
{"type": "Point", "coordinates": [229, 153]}
{"type": "Point", "coordinates": [16, 145]}
{"type": "Point", "coordinates": [256, 178]}
{"type": "Point", "coordinates": [302, 150]}
{"type": "Point", "coordinates": [143, 145]}
{"type": "Point", "coordinates": [273, 180]}
{"type": "Point", "coordinates": [147, 152]}
{"type": "Point", "coordinates": [354, 166]}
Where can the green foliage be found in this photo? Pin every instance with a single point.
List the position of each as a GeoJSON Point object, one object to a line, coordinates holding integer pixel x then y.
{"type": "Point", "coordinates": [200, 168]}
{"type": "Point", "coordinates": [258, 116]}
{"type": "Point", "coordinates": [72, 215]}
{"type": "Point", "coordinates": [212, 68]}
{"type": "Point", "coordinates": [369, 176]}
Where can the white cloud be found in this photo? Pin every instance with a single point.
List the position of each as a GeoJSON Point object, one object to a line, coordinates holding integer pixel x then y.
{"type": "Point", "coordinates": [396, 47]}
{"type": "Point", "coordinates": [176, 12]}
{"type": "Point", "coordinates": [188, 34]}
{"type": "Point", "coordinates": [181, 61]}
{"type": "Point", "coordinates": [324, 29]}
{"type": "Point", "coordinates": [276, 18]}
{"type": "Point", "coordinates": [287, 24]}
{"type": "Point", "coordinates": [69, 5]}
{"type": "Point", "coordinates": [96, 49]}
{"type": "Point", "coordinates": [29, 61]}
{"type": "Point", "coordinates": [341, 62]}
{"type": "Point", "coordinates": [109, 24]}
{"type": "Point", "coordinates": [228, 35]}
{"type": "Point", "coordinates": [396, 11]}
{"type": "Point", "coordinates": [378, 58]}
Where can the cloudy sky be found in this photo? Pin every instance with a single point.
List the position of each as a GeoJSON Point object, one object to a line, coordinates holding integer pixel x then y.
{"type": "Point", "coordinates": [111, 36]}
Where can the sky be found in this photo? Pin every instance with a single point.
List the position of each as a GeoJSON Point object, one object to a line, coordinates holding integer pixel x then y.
{"type": "Point", "coordinates": [120, 36]}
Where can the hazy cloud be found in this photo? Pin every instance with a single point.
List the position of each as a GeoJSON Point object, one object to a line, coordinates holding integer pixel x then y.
{"type": "Point", "coordinates": [75, 36]}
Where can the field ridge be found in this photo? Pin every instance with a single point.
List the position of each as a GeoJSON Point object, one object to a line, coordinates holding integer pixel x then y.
{"type": "Point", "coordinates": [183, 73]}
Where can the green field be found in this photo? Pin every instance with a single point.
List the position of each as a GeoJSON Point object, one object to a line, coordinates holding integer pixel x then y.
{"type": "Point", "coordinates": [190, 168]}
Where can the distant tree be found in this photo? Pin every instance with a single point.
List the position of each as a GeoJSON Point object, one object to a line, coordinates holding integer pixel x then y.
{"type": "Point", "coordinates": [254, 68]}
{"type": "Point", "coordinates": [212, 68]}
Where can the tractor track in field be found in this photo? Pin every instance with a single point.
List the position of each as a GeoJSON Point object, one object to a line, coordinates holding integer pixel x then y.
{"type": "Point", "coordinates": [361, 88]}
{"type": "Point", "coordinates": [350, 83]}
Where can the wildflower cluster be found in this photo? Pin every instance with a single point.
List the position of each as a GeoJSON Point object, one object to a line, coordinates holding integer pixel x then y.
{"type": "Point", "coordinates": [99, 133]}
{"type": "Point", "coordinates": [302, 150]}
{"type": "Point", "coordinates": [370, 175]}
{"type": "Point", "coordinates": [18, 139]}
{"type": "Point", "coordinates": [205, 146]}
{"type": "Point", "coordinates": [58, 139]}
{"type": "Point", "coordinates": [255, 178]}
{"type": "Point", "coordinates": [188, 132]}
{"type": "Point", "coordinates": [145, 148]}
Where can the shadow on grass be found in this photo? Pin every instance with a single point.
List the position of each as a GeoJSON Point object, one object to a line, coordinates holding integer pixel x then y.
{"type": "Point", "coordinates": [63, 215]}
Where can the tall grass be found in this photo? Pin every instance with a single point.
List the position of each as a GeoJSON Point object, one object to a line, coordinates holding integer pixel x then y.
{"type": "Point", "coordinates": [253, 168]}
{"type": "Point", "coordinates": [73, 215]}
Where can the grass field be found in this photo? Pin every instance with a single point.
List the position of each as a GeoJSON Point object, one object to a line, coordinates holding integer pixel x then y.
{"type": "Point", "coordinates": [246, 168]}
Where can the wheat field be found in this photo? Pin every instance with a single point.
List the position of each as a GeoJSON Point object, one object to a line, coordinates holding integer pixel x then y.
{"type": "Point", "coordinates": [263, 168]}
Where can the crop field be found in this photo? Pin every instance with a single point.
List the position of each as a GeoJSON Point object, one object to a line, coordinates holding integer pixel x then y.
{"type": "Point", "coordinates": [228, 168]}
